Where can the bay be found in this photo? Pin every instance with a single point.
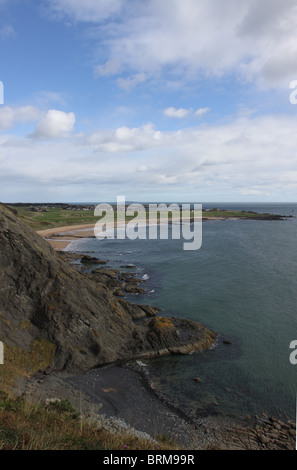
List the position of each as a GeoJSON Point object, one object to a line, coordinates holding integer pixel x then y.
{"type": "Point", "coordinates": [242, 283]}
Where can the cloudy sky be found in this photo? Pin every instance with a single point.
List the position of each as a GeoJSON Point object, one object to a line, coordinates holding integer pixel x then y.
{"type": "Point", "coordinates": [160, 100]}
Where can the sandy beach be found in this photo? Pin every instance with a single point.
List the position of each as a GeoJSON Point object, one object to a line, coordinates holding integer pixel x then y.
{"type": "Point", "coordinates": [69, 233]}
{"type": "Point", "coordinates": [61, 237]}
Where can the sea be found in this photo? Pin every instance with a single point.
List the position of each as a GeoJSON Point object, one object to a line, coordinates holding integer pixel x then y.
{"type": "Point", "coordinates": [241, 283]}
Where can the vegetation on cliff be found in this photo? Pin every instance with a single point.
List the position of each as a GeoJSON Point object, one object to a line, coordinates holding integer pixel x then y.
{"type": "Point", "coordinates": [57, 426]}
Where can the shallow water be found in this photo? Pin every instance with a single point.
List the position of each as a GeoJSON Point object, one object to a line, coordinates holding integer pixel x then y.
{"type": "Point", "coordinates": [242, 283]}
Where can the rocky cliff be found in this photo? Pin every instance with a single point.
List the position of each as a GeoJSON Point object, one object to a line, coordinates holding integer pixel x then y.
{"type": "Point", "coordinates": [53, 316]}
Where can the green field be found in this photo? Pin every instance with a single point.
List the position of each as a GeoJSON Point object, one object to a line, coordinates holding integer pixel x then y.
{"type": "Point", "coordinates": [59, 217]}
{"type": "Point", "coordinates": [55, 217]}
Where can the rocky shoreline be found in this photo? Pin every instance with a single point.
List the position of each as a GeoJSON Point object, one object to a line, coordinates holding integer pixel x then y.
{"type": "Point", "coordinates": [259, 432]}
{"type": "Point", "coordinates": [168, 334]}
{"type": "Point", "coordinates": [120, 398]}
{"type": "Point", "coordinates": [124, 397]}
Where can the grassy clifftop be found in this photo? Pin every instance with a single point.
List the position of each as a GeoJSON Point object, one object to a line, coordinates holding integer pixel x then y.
{"type": "Point", "coordinates": [42, 216]}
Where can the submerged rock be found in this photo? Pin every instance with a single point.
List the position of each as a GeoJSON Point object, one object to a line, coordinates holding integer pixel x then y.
{"type": "Point", "coordinates": [133, 289]}
{"type": "Point", "coordinates": [197, 380]}
{"type": "Point", "coordinates": [227, 341]}
{"type": "Point", "coordinates": [86, 259]}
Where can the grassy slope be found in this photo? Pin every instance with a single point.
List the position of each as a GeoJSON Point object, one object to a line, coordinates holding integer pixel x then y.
{"type": "Point", "coordinates": [55, 217]}
{"type": "Point", "coordinates": [57, 426]}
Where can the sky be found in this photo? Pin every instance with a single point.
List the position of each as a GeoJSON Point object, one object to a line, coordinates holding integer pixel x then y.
{"type": "Point", "coordinates": [153, 100]}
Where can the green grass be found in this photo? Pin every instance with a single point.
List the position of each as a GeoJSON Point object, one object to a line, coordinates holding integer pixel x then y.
{"type": "Point", "coordinates": [59, 217]}
{"type": "Point", "coordinates": [57, 426]}
{"type": "Point", "coordinates": [55, 217]}
{"type": "Point", "coordinates": [229, 214]}
{"type": "Point", "coordinates": [22, 363]}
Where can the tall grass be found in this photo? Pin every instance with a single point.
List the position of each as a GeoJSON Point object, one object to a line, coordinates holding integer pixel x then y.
{"type": "Point", "coordinates": [57, 426]}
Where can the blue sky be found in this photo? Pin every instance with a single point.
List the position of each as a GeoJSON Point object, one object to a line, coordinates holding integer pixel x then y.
{"type": "Point", "coordinates": [161, 101]}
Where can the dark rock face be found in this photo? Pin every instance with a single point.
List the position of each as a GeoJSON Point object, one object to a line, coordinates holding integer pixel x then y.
{"type": "Point", "coordinates": [43, 297]}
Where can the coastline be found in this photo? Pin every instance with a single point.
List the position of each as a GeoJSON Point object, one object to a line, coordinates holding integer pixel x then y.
{"type": "Point", "coordinates": [118, 398]}
{"type": "Point", "coordinates": [61, 237]}
{"type": "Point", "coordinates": [122, 396]}
{"type": "Point", "coordinates": [65, 240]}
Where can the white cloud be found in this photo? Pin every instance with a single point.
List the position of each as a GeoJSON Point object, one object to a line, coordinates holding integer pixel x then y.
{"type": "Point", "coordinates": [255, 40]}
{"type": "Point", "coordinates": [182, 112]}
{"type": "Point", "coordinates": [111, 67]}
{"type": "Point", "coordinates": [251, 192]}
{"type": "Point", "coordinates": [143, 168]}
{"type": "Point", "coordinates": [244, 157]}
{"type": "Point", "coordinates": [10, 116]}
{"type": "Point", "coordinates": [201, 111]}
{"type": "Point", "coordinates": [248, 157]}
{"type": "Point", "coordinates": [177, 113]}
{"type": "Point", "coordinates": [54, 124]}
{"type": "Point", "coordinates": [131, 82]}
{"type": "Point", "coordinates": [124, 139]}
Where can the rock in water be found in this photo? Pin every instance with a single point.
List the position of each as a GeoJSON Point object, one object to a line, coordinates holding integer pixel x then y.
{"type": "Point", "coordinates": [197, 380]}
{"type": "Point", "coordinates": [53, 315]}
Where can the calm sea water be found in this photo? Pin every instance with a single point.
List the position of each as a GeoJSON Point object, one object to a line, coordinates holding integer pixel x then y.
{"type": "Point", "coordinates": [242, 283]}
